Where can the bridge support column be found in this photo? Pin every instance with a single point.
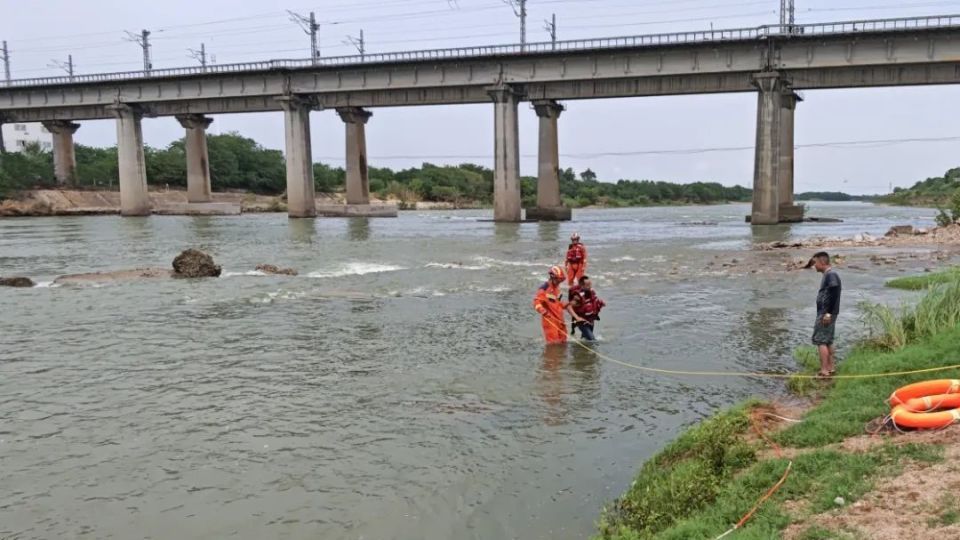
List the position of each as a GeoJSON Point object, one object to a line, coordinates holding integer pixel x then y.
{"type": "Point", "coordinates": [789, 212]}
{"type": "Point", "coordinates": [64, 155]}
{"type": "Point", "coordinates": [358, 182]}
{"type": "Point", "coordinates": [549, 205]}
{"type": "Point", "coordinates": [301, 196]}
{"type": "Point", "coordinates": [766, 196]}
{"type": "Point", "coordinates": [198, 160]}
{"type": "Point", "coordinates": [134, 198]}
{"type": "Point", "coordinates": [506, 158]}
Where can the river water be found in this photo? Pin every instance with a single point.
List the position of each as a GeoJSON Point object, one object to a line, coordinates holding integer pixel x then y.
{"type": "Point", "coordinates": [398, 388]}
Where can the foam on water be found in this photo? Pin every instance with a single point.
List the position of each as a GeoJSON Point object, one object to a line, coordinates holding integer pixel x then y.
{"type": "Point", "coordinates": [356, 269]}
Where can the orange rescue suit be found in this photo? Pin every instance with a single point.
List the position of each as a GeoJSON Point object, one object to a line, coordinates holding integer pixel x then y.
{"type": "Point", "coordinates": [549, 304]}
{"type": "Point", "coordinates": [576, 262]}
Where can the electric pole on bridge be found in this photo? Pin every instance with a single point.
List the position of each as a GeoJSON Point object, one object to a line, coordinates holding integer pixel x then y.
{"type": "Point", "coordinates": [5, 56]}
{"type": "Point", "coordinates": [200, 56]}
{"type": "Point", "coordinates": [551, 27]}
{"type": "Point", "coordinates": [310, 27]}
{"type": "Point", "coordinates": [520, 10]}
{"type": "Point", "coordinates": [142, 39]}
{"type": "Point", "coordinates": [66, 66]}
{"type": "Point", "coordinates": [787, 13]}
{"type": "Point", "coordinates": [359, 43]}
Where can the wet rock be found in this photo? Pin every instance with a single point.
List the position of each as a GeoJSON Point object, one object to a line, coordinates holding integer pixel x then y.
{"type": "Point", "coordinates": [901, 230]}
{"type": "Point", "coordinates": [16, 282]}
{"type": "Point", "coordinates": [194, 263]}
{"type": "Point", "coordinates": [115, 276]}
{"type": "Point", "coordinates": [275, 270]}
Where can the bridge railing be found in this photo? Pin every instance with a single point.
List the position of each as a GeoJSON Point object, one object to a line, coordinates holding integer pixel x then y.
{"type": "Point", "coordinates": [650, 40]}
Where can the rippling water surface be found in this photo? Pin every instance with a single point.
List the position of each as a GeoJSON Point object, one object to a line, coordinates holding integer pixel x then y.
{"type": "Point", "coordinates": [398, 388]}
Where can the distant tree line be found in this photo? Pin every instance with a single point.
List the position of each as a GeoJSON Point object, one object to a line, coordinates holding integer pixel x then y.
{"type": "Point", "coordinates": [937, 191]}
{"type": "Point", "coordinates": [832, 196]}
{"type": "Point", "coordinates": [239, 163]}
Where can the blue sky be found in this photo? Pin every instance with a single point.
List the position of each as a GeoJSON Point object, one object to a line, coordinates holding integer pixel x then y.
{"type": "Point", "coordinates": [40, 33]}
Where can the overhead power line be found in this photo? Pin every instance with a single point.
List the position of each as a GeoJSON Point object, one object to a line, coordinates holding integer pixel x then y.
{"type": "Point", "coordinates": [142, 39]}
{"type": "Point", "coordinates": [310, 27]}
{"type": "Point", "coordinates": [867, 143]}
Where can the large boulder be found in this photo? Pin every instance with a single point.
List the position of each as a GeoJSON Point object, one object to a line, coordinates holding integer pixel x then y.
{"type": "Point", "coordinates": [275, 270]}
{"type": "Point", "coordinates": [194, 263]}
{"type": "Point", "coordinates": [16, 282]}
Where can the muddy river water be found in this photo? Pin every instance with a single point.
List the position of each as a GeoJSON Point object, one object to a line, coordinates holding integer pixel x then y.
{"type": "Point", "coordinates": [397, 389]}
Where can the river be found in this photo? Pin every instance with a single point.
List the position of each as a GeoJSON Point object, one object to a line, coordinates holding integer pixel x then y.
{"type": "Point", "coordinates": [397, 389]}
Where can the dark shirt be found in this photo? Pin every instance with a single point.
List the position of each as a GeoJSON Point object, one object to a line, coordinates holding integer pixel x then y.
{"type": "Point", "coordinates": [828, 297]}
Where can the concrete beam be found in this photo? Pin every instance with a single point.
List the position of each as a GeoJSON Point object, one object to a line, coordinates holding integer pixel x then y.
{"type": "Point", "coordinates": [134, 198]}
{"type": "Point", "coordinates": [301, 194]}
{"type": "Point", "coordinates": [198, 158]}
{"type": "Point", "coordinates": [358, 182]}
{"type": "Point", "coordinates": [549, 205]}
{"type": "Point", "coordinates": [766, 197]}
{"type": "Point", "coordinates": [64, 152]}
{"type": "Point", "coordinates": [506, 155]}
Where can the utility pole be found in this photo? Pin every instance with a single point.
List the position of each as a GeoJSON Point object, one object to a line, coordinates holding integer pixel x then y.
{"type": "Point", "coordinates": [551, 27]}
{"type": "Point", "coordinates": [358, 43]}
{"type": "Point", "coordinates": [787, 13]}
{"type": "Point", "coordinates": [68, 66]}
{"type": "Point", "coordinates": [142, 39]}
{"type": "Point", "coordinates": [520, 10]}
{"type": "Point", "coordinates": [5, 56]}
{"type": "Point", "coordinates": [200, 56]}
{"type": "Point", "coordinates": [310, 27]}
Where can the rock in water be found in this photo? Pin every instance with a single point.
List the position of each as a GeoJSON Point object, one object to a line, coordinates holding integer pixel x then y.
{"type": "Point", "coordinates": [16, 282]}
{"type": "Point", "coordinates": [901, 230]}
{"type": "Point", "coordinates": [272, 269]}
{"type": "Point", "coordinates": [193, 263]}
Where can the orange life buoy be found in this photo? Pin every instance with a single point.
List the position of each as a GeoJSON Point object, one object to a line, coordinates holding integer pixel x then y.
{"type": "Point", "coordinates": [925, 388]}
{"type": "Point", "coordinates": [902, 417]}
{"type": "Point", "coordinates": [932, 403]}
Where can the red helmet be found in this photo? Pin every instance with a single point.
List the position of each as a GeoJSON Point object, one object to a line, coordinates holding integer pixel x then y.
{"type": "Point", "coordinates": [557, 273]}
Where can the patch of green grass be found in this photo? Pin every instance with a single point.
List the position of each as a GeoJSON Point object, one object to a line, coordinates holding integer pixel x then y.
{"type": "Point", "coordinates": [851, 403]}
{"type": "Point", "coordinates": [938, 310]}
{"type": "Point", "coordinates": [808, 360]}
{"type": "Point", "coordinates": [818, 477]}
{"type": "Point", "coordinates": [949, 513]}
{"type": "Point", "coordinates": [684, 477]}
{"type": "Point", "coordinates": [925, 281]}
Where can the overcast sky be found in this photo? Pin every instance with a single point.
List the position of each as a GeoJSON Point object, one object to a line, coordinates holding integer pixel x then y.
{"type": "Point", "coordinates": [41, 32]}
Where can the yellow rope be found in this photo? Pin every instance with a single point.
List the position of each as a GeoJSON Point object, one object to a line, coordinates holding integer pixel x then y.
{"type": "Point", "coordinates": [750, 373]}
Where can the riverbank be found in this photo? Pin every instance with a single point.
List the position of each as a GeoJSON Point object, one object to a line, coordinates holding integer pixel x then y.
{"type": "Point", "coordinates": [885, 485]}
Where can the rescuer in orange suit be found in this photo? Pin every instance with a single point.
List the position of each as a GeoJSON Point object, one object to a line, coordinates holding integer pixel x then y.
{"type": "Point", "coordinates": [549, 304]}
{"type": "Point", "coordinates": [576, 260]}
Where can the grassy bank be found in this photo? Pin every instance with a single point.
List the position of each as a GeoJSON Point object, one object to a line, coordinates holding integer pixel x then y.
{"type": "Point", "coordinates": [713, 474]}
{"type": "Point", "coordinates": [925, 281]}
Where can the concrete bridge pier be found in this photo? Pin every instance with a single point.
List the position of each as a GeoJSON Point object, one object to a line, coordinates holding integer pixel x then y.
{"type": "Point", "coordinates": [506, 160]}
{"type": "Point", "coordinates": [789, 212]}
{"type": "Point", "coordinates": [134, 199]}
{"type": "Point", "coordinates": [549, 205]}
{"type": "Point", "coordinates": [766, 165]}
{"type": "Point", "coordinates": [301, 194]}
{"type": "Point", "coordinates": [198, 160]}
{"type": "Point", "coordinates": [64, 154]}
{"type": "Point", "coordinates": [358, 181]}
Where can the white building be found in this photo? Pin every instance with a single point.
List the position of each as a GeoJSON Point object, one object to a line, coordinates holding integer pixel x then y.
{"type": "Point", "coordinates": [16, 136]}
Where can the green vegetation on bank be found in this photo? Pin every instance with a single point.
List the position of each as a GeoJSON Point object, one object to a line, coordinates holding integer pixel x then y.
{"type": "Point", "coordinates": [936, 191]}
{"type": "Point", "coordinates": [239, 163]}
{"type": "Point", "coordinates": [925, 281]}
{"type": "Point", "coordinates": [712, 475]}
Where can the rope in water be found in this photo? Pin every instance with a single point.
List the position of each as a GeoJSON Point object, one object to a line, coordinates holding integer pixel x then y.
{"type": "Point", "coordinates": [750, 373]}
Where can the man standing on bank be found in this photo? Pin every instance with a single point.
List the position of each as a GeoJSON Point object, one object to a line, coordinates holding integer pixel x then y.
{"type": "Point", "coordinates": [828, 308]}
